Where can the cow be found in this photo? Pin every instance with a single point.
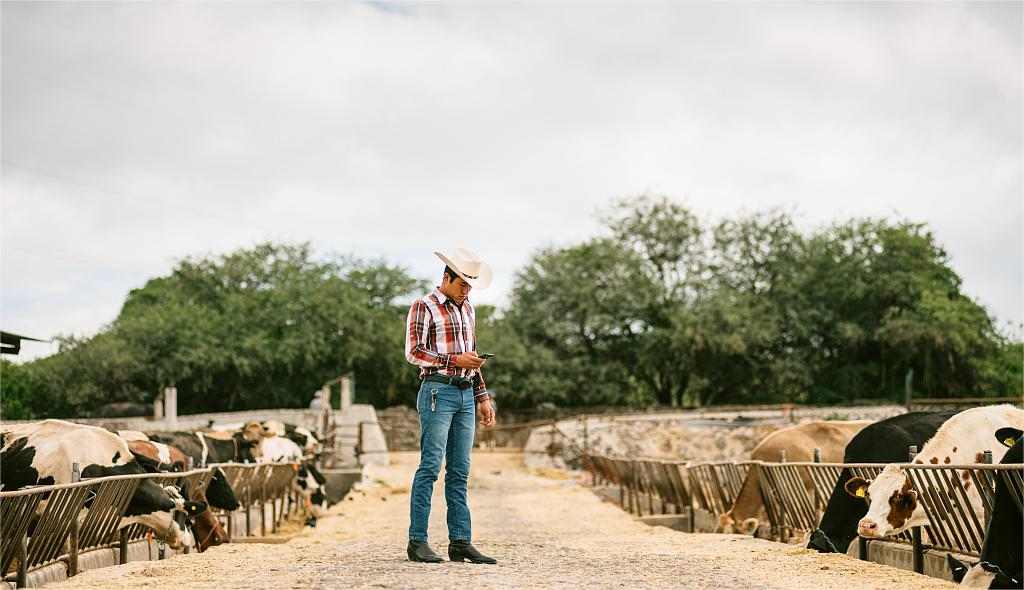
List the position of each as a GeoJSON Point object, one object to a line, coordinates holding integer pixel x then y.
{"type": "Point", "coordinates": [297, 434]}
{"type": "Point", "coordinates": [42, 453]}
{"type": "Point", "coordinates": [798, 443]}
{"type": "Point", "coordinates": [157, 458]}
{"type": "Point", "coordinates": [885, 441]}
{"type": "Point", "coordinates": [205, 448]}
{"type": "Point", "coordinates": [308, 481]}
{"type": "Point", "coordinates": [893, 505]}
{"type": "Point", "coordinates": [1002, 555]}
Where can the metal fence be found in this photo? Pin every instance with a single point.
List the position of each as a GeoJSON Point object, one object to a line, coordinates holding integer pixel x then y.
{"type": "Point", "coordinates": [957, 499]}
{"type": "Point", "coordinates": [45, 525]}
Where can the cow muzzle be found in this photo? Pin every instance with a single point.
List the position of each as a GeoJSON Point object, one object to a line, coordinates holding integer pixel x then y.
{"type": "Point", "coordinates": [867, 527]}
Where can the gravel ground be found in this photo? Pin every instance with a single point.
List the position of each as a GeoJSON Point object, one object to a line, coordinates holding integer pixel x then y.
{"type": "Point", "coordinates": [545, 530]}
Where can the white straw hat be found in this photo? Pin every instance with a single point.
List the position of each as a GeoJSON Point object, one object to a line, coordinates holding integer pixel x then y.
{"type": "Point", "coordinates": [468, 265]}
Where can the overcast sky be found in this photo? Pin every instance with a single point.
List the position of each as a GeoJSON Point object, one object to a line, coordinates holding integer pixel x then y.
{"type": "Point", "coordinates": [135, 134]}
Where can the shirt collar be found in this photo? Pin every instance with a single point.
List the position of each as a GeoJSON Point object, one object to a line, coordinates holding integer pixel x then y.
{"type": "Point", "coordinates": [442, 298]}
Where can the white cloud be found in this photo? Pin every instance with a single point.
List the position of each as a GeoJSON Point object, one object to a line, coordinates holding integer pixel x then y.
{"type": "Point", "coordinates": [138, 133]}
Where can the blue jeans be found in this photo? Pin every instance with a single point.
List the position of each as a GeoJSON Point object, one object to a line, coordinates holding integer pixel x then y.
{"type": "Point", "coordinates": [447, 425]}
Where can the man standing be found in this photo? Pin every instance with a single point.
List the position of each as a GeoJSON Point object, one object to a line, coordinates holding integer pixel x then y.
{"type": "Point", "coordinates": [440, 339]}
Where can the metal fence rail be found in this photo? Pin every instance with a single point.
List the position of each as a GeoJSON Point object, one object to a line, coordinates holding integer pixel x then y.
{"type": "Point", "coordinates": [44, 525]}
{"type": "Point", "coordinates": [957, 499]}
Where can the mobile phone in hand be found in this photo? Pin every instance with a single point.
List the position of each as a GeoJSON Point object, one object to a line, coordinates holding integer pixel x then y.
{"type": "Point", "coordinates": [486, 355]}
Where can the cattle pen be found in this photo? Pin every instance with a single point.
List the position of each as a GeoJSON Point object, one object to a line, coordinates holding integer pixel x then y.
{"type": "Point", "coordinates": [685, 495]}
{"type": "Point", "coordinates": [697, 493]}
{"type": "Point", "coordinates": [44, 538]}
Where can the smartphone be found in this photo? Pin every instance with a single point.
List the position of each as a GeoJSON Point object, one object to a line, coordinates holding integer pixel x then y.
{"type": "Point", "coordinates": [486, 355]}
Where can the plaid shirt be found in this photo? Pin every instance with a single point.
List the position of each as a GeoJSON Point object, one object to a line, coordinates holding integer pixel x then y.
{"type": "Point", "coordinates": [438, 329]}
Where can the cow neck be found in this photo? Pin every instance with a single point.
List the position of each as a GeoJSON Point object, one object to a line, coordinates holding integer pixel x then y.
{"type": "Point", "coordinates": [202, 543]}
{"type": "Point", "coordinates": [206, 450]}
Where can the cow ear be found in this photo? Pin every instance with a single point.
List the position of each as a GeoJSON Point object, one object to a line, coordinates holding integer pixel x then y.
{"type": "Point", "coordinates": [1009, 436]}
{"type": "Point", "coordinates": [857, 487]}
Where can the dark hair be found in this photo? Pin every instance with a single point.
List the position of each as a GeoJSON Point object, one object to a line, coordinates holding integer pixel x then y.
{"type": "Point", "coordinates": [451, 274]}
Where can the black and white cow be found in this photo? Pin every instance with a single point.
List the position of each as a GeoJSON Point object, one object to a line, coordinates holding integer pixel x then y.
{"type": "Point", "coordinates": [1002, 555]}
{"type": "Point", "coordinates": [893, 502]}
{"type": "Point", "coordinates": [43, 453]}
{"type": "Point", "coordinates": [885, 441]}
{"type": "Point", "coordinates": [206, 448]}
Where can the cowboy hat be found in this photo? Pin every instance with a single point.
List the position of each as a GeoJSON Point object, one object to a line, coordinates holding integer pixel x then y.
{"type": "Point", "coordinates": [467, 265]}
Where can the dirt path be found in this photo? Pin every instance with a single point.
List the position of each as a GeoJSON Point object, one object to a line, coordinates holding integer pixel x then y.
{"type": "Point", "coordinates": [545, 532]}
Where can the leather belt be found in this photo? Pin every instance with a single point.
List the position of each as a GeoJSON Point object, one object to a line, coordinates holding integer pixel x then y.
{"type": "Point", "coordinates": [460, 382]}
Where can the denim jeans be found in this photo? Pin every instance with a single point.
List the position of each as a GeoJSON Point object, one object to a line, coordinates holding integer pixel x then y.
{"type": "Point", "coordinates": [447, 425]}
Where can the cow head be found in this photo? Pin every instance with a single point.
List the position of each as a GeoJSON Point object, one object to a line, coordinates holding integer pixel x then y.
{"type": "Point", "coordinates": [247, 449]}
{"type": "Point", "coordinates": [207, 527]}
{"type": "Point", "coordinates": [893, 505]}
{"type": "Point", "coordinates": [311, 484]}
{"type": "Point", "coordinates": [254, 431]}
{"type": "Point", "coordinates": [273, 428]}
{"type": "Point", "coordinates": [727, 524]}
{"type": "Point", "coordinates": [980, 574]}
{"type": "Point", "coordinates": [957, 568]}
{"type": "Point", "coordinates": [219, 493]}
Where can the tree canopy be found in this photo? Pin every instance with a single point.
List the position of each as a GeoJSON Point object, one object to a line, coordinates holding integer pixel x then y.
{"type": "Point", "coordinates": [664, 308]}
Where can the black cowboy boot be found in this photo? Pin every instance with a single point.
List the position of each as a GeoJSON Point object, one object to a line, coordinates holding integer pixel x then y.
{"type": "Point", "coordinates": [463, 551]}
{"type": "Point", "coordinates": [420, 551]}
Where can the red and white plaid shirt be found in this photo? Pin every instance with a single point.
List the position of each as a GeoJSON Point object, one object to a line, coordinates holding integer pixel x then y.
{"type": "Point", "coordinates": [438, 329]}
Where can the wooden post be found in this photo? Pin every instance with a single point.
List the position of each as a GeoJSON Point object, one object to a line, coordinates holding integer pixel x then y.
{"type": "Point", "coordinates": [273, 515]}
{"type": "Point", "coordinates": [76, 476]}
{"type": "Point", "coordinates": [22, 551]}
{"type": "Point", "coordinates": [987, 459]}
{"type": "Point", "coordinates": [918, 549]}
{"type": "Point", "coordinates": [122, 546]}
{"type": "Point", "coordinates": [817, 494]}
{"type": "Point", "coordinates": [263, 511]}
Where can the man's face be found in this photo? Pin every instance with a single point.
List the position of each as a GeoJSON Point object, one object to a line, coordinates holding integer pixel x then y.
{"type": "Point", "coordinates": [457, 289]}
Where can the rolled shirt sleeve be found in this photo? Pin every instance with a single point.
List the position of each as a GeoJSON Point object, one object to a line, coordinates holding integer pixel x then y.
{"type": "Point", "coordinates": [480, 387]}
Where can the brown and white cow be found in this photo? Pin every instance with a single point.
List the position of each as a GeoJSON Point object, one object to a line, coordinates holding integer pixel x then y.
{"type": "Point", "coordinates": [893, 505]}
{"type": "Point", "coordinates": [798, 442]}
{"type": "Point", "coordinates": [43, 453]}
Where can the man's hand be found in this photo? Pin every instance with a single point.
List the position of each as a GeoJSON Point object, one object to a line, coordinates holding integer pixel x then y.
{"type": "Point", "coordinates": [485, 412]}
{"type": "Point", "coordinates": [467, 360]}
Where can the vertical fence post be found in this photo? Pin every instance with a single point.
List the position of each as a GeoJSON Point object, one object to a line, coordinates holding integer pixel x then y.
{"type": "Point", "coordinates": [816, 457]}
{"type": "Point", "coordinates": [22, 552]}
{"type": "Point", "coordinates": [76, 476]}
{"type": "Point", "coordinates": [987, 459]}
{"type": "Point", "coordinates": [917, 550]}
{"type": "Point", "coordinates": [248, 504]}
{"type": "Point", "coordinates": [785, 531]}
{"type": "Point", "coordinates": [122, 546]}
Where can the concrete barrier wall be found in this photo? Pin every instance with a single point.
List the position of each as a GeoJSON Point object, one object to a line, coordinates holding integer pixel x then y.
{"type": "Point", "coordinates": [301, 417]}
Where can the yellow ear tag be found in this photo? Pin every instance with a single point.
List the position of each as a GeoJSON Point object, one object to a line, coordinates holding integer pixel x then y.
{"type": "Point", "coordinates": [860, 492]}
{"type": "Point", "coordinates": [1009, 442]}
